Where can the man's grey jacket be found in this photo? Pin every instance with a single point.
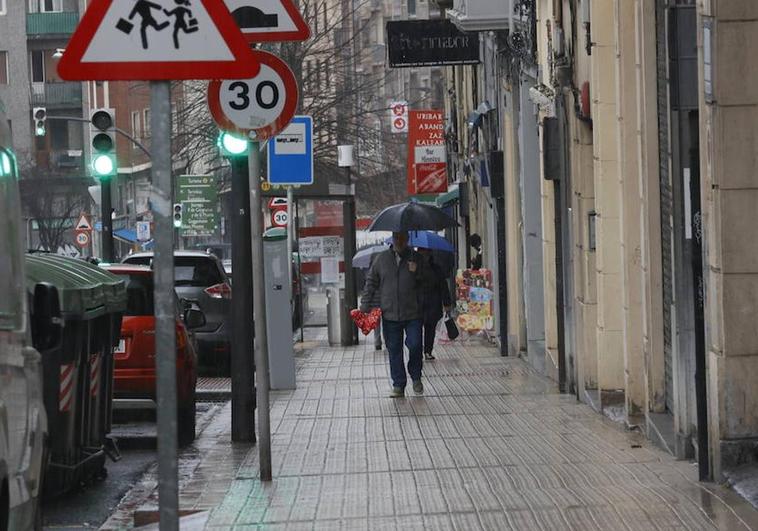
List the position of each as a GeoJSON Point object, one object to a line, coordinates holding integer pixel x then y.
{"type": "Point", "coordinates": [394, 286]}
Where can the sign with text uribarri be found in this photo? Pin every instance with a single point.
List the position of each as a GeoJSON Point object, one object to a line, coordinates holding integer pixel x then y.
{"type": "Point", "coordinates": [430, 43]}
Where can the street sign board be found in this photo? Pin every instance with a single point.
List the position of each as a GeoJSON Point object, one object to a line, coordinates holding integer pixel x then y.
{"type": "Point", "coordinates": [290, 154]}
{"type": "Point", "coordinates": [427, 169]}
{"type": "Point", "coordinates": [277, 203]}
{"type": "Point", "coordinates": [279, 218]}
{"type": "Point", "coordinates": [82, 238]}
{"type": "Point", "coordinates": [269, 20]}
{"type": "Point", "coordinates": [198, 195]}
{"type": "Point", "coordinates": [84, 223]}
{"type": "Point", "coordinates": [260, 106]}
{"type": "Point", "coordinates": [157, 40]}
{"type": "Point", "coordinates": [143, 231]}
{"type": "Point", "coordinates": [399, 117]}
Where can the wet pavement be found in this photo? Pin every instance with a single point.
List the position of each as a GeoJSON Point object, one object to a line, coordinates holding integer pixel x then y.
{"type": "Point", "coordinates": [490, 445]}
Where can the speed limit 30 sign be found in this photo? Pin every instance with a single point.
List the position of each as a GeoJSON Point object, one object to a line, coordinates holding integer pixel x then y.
{"type": "Point", "coordinates": [279, 218]}
{"type": "Point", "coordinates": [261, 106]}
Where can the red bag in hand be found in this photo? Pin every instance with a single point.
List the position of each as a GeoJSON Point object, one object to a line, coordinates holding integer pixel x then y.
{"type": "Point", "coordinates": [366, 321]}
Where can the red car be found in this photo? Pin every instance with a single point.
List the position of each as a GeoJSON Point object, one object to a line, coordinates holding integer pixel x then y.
{"type": "Point", "coordinates": [134, 371]}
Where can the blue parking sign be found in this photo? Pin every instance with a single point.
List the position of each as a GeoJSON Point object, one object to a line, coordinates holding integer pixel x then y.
{"type": "Point", "coordinates": [290, 153]}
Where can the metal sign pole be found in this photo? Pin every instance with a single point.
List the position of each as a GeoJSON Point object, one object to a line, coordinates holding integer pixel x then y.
{"type": "Point", "coordinates": [259, 314]}
{"type": "Point", "coordinates": [165, 308]}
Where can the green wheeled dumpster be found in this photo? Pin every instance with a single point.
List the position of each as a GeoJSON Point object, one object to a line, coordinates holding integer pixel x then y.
{"type": "Point", "coordinates": [78, 377]}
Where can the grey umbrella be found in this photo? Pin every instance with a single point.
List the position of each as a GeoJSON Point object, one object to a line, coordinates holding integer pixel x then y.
{"type": "Point", "coordinates": [411, 216]}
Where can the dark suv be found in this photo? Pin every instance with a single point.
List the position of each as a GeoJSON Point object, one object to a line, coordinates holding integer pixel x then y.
{"type": "Point", "coordinates": [200, 277]}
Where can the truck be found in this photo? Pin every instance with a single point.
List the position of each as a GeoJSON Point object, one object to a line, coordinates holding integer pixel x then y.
{"type": "Point", "coordinates": [30, 325]}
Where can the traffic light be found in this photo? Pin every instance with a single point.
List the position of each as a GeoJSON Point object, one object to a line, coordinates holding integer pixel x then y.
{"type": "Point", "coordinates": [103, 143]}
{"type": "Point", "coordinates": [7, 163]}
{"type": "Point", "coordinates": [231, 145]}
{"type": "Point", "coordinates": [177, 215]}
{"type": "Point", "coordinates": [40, 117]}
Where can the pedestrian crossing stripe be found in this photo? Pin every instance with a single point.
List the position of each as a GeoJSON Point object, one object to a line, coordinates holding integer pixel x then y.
{"type": "Point", "coordinates": [157, 40]}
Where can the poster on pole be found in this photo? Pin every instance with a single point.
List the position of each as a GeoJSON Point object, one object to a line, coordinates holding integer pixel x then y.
{"type": "Point", "coordinates": [427, 166]}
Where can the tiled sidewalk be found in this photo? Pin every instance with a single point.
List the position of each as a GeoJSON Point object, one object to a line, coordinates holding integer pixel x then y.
{"type": "Point", "coordinates": [489, 446]}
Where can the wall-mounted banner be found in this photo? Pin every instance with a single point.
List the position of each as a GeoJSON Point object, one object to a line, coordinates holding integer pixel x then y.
{"type": "Point", "coordinates": [427, 167]}
{"type": "Point", "coordinates": [435, 42]}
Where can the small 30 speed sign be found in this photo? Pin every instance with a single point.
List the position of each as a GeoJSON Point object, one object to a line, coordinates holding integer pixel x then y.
{"type": "Point", "coordinates": [279, 218]}
{"type": "Point", "coordinates": [263, 105]}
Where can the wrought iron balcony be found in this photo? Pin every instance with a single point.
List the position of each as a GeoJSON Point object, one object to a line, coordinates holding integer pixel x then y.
{"type": "Point", "coordinates": [42, 25]}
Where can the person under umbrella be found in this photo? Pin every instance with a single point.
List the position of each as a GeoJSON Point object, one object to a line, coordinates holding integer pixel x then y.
{"type": "Point", "coordinates": [396, 276]}
{"type": "Point", "coordinates": [435, 297]}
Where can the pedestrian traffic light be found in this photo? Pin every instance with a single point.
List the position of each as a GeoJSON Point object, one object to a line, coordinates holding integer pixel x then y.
{"type": "Point", "coordinates": [177, 215]}
{"type": "Point", "coordinates": [40, 117]}
{"type": "Point", "coordinates": [231, 145]}
{"type": "Point", "coordinates": [103, 143]}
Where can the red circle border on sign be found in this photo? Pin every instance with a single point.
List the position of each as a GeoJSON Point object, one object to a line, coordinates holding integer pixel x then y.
{"type": "Point", "coordinates": [290, 102]}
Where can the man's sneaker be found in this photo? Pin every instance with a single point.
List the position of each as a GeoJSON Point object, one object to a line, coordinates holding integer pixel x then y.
{"type": "Point", "coordinates": [418, 387]}
{"type": "Point", "coordinates": [397, 392]}
{"type": "Point", "coordinates": [428, 356]}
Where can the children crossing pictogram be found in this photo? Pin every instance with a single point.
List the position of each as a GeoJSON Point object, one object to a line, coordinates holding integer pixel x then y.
{"type": "Point", "coordinates": [157, 39]}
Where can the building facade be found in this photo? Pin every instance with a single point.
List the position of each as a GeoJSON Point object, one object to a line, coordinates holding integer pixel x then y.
{"type": "Point", "coordinates": [623, 134]}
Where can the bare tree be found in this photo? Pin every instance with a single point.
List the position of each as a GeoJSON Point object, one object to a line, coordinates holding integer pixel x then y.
{"type": "Point", "coordinates": [54, 202]}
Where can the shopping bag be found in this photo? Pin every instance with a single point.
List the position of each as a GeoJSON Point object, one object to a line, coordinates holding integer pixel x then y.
{"type": "Point", "coordinates": [366, 321]}
{"type": "Point", "coordinates": [450, 327]}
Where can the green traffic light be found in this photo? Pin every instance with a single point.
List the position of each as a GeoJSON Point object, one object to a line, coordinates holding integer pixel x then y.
{"type": "Point", "coordinates": [103, 165]}
{"type": "Point", "coordinates": [6, 163]}
{"type": "Point", "coordinates": [232, 145]}
{"type": "Point", "coordinates": [40, 131]}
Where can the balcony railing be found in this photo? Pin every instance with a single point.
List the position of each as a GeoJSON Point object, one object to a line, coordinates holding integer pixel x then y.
{"type": "Point", "coordinates": [51, 24]}
{"type": "Point", "coordinates": [61, 94]}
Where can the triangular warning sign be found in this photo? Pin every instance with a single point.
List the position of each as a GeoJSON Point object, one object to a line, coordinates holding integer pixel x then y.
{"type": "Point", "coordinates": [269, 20]}
{"type": "Point", "coordinates": [83, 223]}
{"type": "Point", "coordinates": [157, 40]}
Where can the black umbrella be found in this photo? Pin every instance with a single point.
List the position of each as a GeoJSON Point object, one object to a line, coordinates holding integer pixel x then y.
{"type": "Point", "coordinates": [411, 216]}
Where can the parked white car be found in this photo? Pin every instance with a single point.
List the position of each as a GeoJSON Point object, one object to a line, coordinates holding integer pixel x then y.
{"type": "Point", "coordinates": [23, 423]}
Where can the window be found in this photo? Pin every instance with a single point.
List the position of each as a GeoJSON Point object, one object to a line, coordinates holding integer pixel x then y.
{"type": "Point", "coordinates": [139, 294]}
{"type": "Point", "coordinates": [412, 8]}
{"type": "Point", "coordinates": [4, 74]}
{"type": "Point", "coordinates": [136, 132]}
{"type": "Point", "coordinates": [146, 122]}
{"type": "Point", "coordinates": [45, 6]}
{"type": "Point", "coordinates": [38, 66]}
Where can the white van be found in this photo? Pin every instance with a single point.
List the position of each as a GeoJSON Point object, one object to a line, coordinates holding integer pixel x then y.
{"type": "Point", "coordinates": [23, 423]}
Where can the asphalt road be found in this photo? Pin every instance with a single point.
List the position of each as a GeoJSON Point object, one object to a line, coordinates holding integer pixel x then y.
{"type": "Point", "coordinates": [91, 505]}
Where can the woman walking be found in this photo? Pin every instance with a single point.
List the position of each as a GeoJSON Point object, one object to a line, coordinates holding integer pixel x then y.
{"type": "Point", "coordinates": [435, 298]}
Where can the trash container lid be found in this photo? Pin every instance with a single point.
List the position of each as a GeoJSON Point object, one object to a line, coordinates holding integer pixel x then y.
{"type": "Point", "coordinates": [82, 293]}
{"type": "Point", "coordinates": [275, 234]}
{"type": "Point", "coordinates": [114, 287]}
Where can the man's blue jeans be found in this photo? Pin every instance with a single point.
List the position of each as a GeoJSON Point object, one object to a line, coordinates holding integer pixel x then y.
{"type": "Point", "coordinates": [393, 340]}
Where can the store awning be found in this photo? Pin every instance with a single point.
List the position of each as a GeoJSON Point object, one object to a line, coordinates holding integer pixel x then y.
{"type": "Point", "coordinates": [130, 236]}
{"type": "Point", "coordinates": [451, 196]}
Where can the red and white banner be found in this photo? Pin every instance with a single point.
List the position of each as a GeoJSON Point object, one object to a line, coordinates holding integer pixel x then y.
{"type": "Point", "coordinates": [427, 167]}
{"type": "Point", "coordinates": [94, 374]}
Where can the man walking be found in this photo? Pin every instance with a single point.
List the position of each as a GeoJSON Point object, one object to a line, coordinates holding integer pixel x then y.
{"type": "Point", "coordinates": [396, 276]}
